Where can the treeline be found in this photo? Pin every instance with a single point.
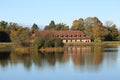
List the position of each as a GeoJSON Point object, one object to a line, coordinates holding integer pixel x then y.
{"type": "Point", "coordinates": [12, 32]}
{"type": "Point", "coordinates": [21, 36]}
{"type": "Point", "coordinates": [92, 26]}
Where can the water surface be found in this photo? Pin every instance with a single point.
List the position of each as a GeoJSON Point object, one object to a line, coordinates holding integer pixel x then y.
{"type": "Point", "coordinates": [75, 63]}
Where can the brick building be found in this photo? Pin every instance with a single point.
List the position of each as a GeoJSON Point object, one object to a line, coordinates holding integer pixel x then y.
{"type": "Point", "coordinates": [68, 36]}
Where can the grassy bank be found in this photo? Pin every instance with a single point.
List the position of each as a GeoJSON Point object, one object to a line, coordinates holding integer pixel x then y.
{"type": "Point", "coordinates": [94, 43]}
{"type": "Point", "coordinates": [57, 49]}
{"type": "Point", "coordinates": [3, 45]}
{"type": "Point", "coordinates": [52, 49]}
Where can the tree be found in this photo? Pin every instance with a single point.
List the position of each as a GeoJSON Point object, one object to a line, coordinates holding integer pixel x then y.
{"type": "Point", "coordinates": [99, 33]}
{"type": "Point", "coordinates": [39, 42]}
{"type": "Point", "coordinates": [113, 32]}
{"type": "Point", "coordinates": [78, 24]}
{"type": "Point", "coordinates": [13, 26]}
{"type": "Point", "coordinates": [58, 42]}
{"type": "Point", "coordinates": [118, 38]}
{"type": "Point", "coordinates": [51, 26]}
{"type": "Point", "coordinates": [92, 26]}
{"type": "Point", "coordinates": [34, 28]}
{"type": "Point", "coordinates": [61, 26]}
{"type": "Point", "coordinates": [24, 36]}
{"type": "Point", "coordinates": [47, 43]}
{"type": "Point", "coordinates": [21, 36]}
{"type": "Point", "coordinates": [3, 25]}
{"type": "Point", "coordinates": [108, 23]}
{"type": "Point", "coordinates": [4, 37]}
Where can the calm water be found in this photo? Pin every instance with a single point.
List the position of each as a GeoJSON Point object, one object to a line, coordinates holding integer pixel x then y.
{"type": "Point", "coordinates": [75, 63]}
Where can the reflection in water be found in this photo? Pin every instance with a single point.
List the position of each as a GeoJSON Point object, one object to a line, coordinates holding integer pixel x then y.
{"type": "Point", "coordinates": [89, 57]}
{"type": "Point", "coordinates": [4, 58]}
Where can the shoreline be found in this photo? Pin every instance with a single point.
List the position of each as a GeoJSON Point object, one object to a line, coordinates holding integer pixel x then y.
{"type": "Point", "coordinates": [59, 49]}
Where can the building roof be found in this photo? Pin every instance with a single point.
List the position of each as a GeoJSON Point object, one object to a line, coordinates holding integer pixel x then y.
{"type": "Point", "coordinates": [65, 34]}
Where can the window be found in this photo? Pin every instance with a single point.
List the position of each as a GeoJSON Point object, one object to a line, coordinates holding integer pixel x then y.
{"type": "Point", "coordinates": [57, 35]}
{"type": "Point", "coordinates": [75, 35]}
{"type": "Point", "coordinates": [71, 35]}
{"type": "Point", "coordinates": [79, 35]}
{"type": "Point", "coordinates": [84, 35]}
{"type": "Point", "coordinates": [66, 35]}
{"type": "Point", "coordinates": [62, 35]}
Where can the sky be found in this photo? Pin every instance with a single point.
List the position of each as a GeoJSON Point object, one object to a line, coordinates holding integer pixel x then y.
{"type": "Point", "coordinates": [42, 12]}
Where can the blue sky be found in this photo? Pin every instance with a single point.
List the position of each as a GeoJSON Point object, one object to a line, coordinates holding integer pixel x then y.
{"type": "Point", "coordinates": [43, 11]}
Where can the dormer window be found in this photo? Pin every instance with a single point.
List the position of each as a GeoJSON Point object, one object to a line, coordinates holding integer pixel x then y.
{"type": "Point", "coordinates": [66, 35]}
{"type": "Point", "coordinates": [71, 35]}
{"type": "Point", "coordinates": [84, 35]}
{"type": "Point", "coordinates": [62, 35]}
{"type": "Point", "coordinates": [75, 35]}
{"type": "Point", "coordinates": [79, 35]}
{"type": "Point", "coordinates": [57, 35]}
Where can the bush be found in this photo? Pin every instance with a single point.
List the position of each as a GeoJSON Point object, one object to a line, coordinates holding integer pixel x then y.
{"type": "Point", "coordinates": [47, 43]}
{"type": "Point", "coordinates": [58, 42]}
{"type": "Point", "coordinates": [38, 42]}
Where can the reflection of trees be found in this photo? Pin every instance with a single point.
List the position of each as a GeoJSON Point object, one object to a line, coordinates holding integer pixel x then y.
{"type": "Point", "coordinates": [97, 56]}
{"type": "Point", "coordinates": [110, 54]}
{"type": "Point", "coordinates": [37, 59]}
{"type": "Point", "coordinates": [16, 58]}
{"type": "Point", "coordinates": [50, 58]}
{"type": "Point", "coordinates": [89, 57]}
{"type": "Point", "coordinates": [4, 58]}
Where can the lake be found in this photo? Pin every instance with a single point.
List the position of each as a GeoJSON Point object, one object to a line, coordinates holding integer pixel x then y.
{"type": "Point", "coordinates": [75, 63]}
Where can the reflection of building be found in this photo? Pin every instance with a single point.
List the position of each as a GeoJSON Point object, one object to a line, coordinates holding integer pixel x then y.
{"type": "Point", "coordinates": [78, 54]}
{"type": "Point", "coordinates": [84, 55]}
{"type": "Point", "coordinates": [67, 36]}
{"type": "Point", "coordinates": [79, 50]}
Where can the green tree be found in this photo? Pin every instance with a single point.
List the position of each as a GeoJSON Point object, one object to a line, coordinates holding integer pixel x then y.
{"type": "Point", "coordinates": [4, 37]}
{"type": "Point", "coordinates": [118, 38]}
{"type": "Point", "coordinates": [47, 43]}
{"type": "Point", "coordinates": [39, 42]}
{"type": "Point", "coordinates": [113, 33]}
{"type": "Point", "coordinates": [34, 28]}
{"type": "Point", "coordinates": [3, 25]}
{"type": "Point", "coordinates": [58, 42]}
{"type": "Point", "coordinates": [51, 26]}
{"type": "Point", "coordinates": [61, 26]}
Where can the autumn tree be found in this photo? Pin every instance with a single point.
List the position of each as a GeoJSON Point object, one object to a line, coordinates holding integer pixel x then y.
{"type": "Point", "coordinates": [99, 33]}
{"type": "Point", "coordinates": [21, 36]}
{"type": "Point", "coordinates": [95, 29]}
{"type": "Point", "coordinates": [13, 31]}
{"type": "Point", "coordinates": [78, 25]}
